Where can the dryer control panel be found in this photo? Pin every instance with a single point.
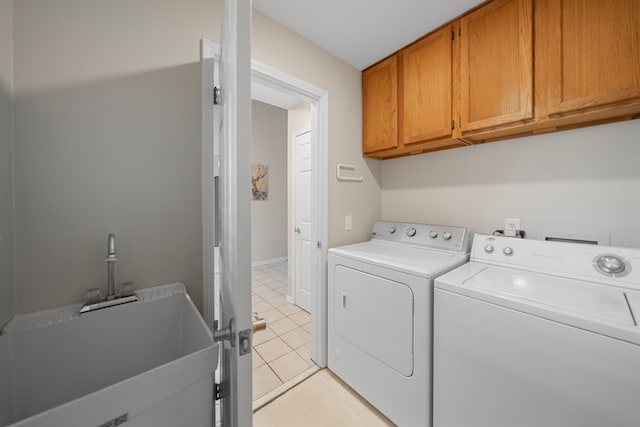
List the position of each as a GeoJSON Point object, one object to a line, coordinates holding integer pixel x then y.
{"type": "Point", "coordinates": [427, 235]}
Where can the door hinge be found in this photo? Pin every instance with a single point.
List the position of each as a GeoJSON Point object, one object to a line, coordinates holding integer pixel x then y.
{"type": "Point", "coordinates": [319, 244]}
{"type": "Point", "coordinates": [453, 35]}
{"type": "Point", "coordinates": [459, 31]}
{"type": "Point", "coordinates": [218, 391]}
{"type": "Point", "coordinates": [216, 95]}
{"type": "Point", "coordinates": [453, 124]}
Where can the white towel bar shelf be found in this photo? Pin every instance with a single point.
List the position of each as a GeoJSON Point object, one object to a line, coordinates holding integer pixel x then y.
{"type": "Point", "coordinates": [342, 167]}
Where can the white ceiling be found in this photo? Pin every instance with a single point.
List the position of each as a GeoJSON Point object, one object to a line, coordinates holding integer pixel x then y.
{"type": "Point", "coordinates": [361, 32]}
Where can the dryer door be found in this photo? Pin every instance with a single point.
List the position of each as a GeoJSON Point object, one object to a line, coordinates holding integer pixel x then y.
{"type": "Point", "coordinates": [375, 314]}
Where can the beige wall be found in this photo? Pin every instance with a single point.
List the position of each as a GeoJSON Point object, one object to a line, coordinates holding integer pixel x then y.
{"type": "Point", "coordinates": [269, 217]}
{"type": "Point", "coordinates": [108, 140]}
{"type": "Point", "coordinates": [283, 49]}
{"type": "Point", "coordinates": [298, 118]}
{"type": "Point", "coordinates": [585, 181]}
{"type": "Point", "coordinates": [7, 247]}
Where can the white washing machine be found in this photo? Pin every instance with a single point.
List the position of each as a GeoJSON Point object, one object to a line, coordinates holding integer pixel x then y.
{"type": "Point", "coordinates": [533, 333]}
{"type": "Point", "coordinates": [380, 314]}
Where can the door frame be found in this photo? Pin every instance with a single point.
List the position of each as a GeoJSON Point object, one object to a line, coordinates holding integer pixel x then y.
{"type": "Point", "coordinates": [273, 78]}
{"type": "Point", "coordinates": [210, 59]}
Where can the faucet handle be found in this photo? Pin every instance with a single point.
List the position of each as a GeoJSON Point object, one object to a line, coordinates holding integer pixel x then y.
{"type": "Point", "coordinates": [111, 245]}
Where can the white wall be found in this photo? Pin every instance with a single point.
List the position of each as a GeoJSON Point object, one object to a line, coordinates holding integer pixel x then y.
{"type": "Point", "coordinates": [108, 140]}
{"type": "Point", "coordinates": [285, 50]}
{"type": "Point", "coordinates": [7, 247]}
{"type": "Point", "coordinates": [585, 181]}
{"type": "Point", "coordinates": [269, 217]}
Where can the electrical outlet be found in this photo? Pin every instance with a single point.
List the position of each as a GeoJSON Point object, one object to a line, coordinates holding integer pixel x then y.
{"type": "Point", "coordinates": [347, 222]}
{"type": "Point", "coordinates": [511, 226]}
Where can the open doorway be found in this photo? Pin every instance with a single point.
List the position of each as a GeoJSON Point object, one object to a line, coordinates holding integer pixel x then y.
{"type": "Point", "coordinates": [307, 117]}
{"type": "Point", "coordinates": [281, 259]}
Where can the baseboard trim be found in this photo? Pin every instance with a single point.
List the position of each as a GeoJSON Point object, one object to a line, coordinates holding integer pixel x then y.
{"type": "Point", "coordinates": [269, 261]}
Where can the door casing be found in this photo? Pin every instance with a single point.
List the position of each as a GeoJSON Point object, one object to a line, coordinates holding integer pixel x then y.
{"type": "Point", "coordinates": [318, 98]}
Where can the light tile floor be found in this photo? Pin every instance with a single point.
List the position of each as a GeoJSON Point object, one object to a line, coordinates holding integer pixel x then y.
{"type": "Point", "coordinates": [321, 400]}
{"type": "Point", "coordinates": [283, 350]}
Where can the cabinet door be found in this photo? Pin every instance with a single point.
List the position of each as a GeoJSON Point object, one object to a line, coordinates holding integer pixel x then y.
{"type": "Point", "coordinates": [425, 88]}
{"type": "Point", "coordinates": [594, 53]}
{"type": "Point", "coordinates": [379, 106]}
{"type": "Point", "coordinates": [496, 68]}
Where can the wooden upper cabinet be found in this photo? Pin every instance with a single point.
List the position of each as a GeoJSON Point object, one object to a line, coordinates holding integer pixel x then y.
{"type": "Point", "coordinates": [594, 54]}
{"type": "Point", "coordinates": [379, 106]}
{"type": "Point", "coordinates": [425, 89]}
{"type": "Point", "coordinates": [484, 84]}
{"type": "Point", "coordinates": [496, 65]}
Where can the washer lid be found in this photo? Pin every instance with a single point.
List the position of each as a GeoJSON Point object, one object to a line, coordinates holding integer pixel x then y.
{"type": "Point", "coordinates": [555, 293]}
{"type": "Point", "coordinates": [402, 257]}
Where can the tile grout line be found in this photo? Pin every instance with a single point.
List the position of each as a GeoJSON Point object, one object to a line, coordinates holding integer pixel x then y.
{"type": "Point", "coordinates": [286, 343]}
{"type": "Point", "coordinates": [268, 281]}
{"type": "Point", "coordinates": [274, 371]}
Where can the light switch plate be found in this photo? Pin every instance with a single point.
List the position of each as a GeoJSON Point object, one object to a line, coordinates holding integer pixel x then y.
{"type": "Point", "coordinates": [347, 222]}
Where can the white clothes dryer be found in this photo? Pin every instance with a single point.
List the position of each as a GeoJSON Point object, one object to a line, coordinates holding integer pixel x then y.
{"type": "Point", "coordinates": [534, 333]}
{"type": "Point", "coordinates": [380, 313]}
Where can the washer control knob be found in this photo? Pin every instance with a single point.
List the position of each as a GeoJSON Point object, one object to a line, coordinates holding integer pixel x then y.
{"type": "Point", "coordinates": [446, 235]}
{"type": "Point", "coordinates": [433, 234]}
{"type": "Point", "coordinates": [488, 249]}
{"type": "Point", "coordinates": [411, 231]}
{"type": "Point", "coordinates": [611, 264]}
{"type": "Point", "coordinates": [507, 251]}
{"type": "Point", "coordinates": [391, 230]}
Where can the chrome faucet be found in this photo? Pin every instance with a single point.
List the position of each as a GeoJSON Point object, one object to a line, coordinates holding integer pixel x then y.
{"type": "Point", "coordinates": [94, 299]}
{"type": "Point", "coordinates": [111, 266]}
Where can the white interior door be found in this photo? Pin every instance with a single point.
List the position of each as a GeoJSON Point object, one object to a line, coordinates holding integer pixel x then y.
{"type": "Point", "coordinates": [302, 222]}
{"type": "Point", "coordinates": [235, 214]}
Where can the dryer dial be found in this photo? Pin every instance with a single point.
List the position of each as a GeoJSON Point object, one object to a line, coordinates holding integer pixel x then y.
{"type": "Point", "coordinates": [411, 231]}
